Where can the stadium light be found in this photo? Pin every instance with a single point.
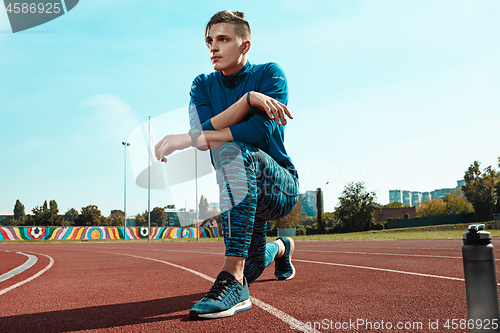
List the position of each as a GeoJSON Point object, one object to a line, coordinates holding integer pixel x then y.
{"type": "Point", "coordinates": [125, 144]}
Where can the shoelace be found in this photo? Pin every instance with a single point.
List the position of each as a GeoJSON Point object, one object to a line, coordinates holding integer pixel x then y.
{"type": "Point", "coordinates": [219, 289]}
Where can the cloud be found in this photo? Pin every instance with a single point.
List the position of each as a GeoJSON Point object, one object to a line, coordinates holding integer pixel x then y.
{"type": "Point", "coordinates": [112, 115]}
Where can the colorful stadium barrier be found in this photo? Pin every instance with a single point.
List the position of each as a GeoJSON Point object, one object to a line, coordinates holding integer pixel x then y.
{"type": "Point", "coordinates": [61, 233]}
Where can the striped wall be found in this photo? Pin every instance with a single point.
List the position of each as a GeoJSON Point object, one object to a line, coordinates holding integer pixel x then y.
{"type": "Point", "coordinates": [61, 233]}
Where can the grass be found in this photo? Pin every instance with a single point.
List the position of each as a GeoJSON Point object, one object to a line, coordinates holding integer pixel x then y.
{"type": "Point", "coordinates": [447, 231]}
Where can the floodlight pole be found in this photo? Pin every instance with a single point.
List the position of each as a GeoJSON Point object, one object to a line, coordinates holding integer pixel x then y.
{"type": "Point", "coordinates": [196, 182]}
{"type": "Point", "coordinates": [125, 144]}
{"type": "Point", "coordinates": [149, 180]}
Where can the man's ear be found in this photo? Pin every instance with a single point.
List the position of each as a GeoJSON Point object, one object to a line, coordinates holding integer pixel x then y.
{"type": "Point", "coordinates": [246, 46]}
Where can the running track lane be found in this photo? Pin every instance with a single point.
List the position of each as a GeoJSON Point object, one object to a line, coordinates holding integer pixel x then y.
{"type": "Point", "coordinates": [63, 321]}
{"type": "Point", "coordinates": [333, 283]}
{"type": "Point", "coordinates": [23, 273]}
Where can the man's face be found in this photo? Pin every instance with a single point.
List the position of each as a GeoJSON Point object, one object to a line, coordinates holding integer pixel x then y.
{"type": "Point", "coordinates": [227, 51]}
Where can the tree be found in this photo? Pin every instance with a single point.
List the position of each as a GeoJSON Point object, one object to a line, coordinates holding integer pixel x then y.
{"type": "Point", "coordinates": [356, 206]}
{"type": "Point", "coordinates": [46, 215]}
{"type": "Point", "coordinates": [203, 208]}
{"type": "Point", "coordinates": [53, 215]}
{"type": "Point", "coordinates": [70, 217]}
{"type": "Point", "coordinates": [292, 219]}
{"type": "Point", "coordinates": [90, 216]}
{"type": "Point", "coordinates": [431, 207]}
{"type": "Point", "coordinates": [158, 217]}
{"type": "Point", "coordinates": [19, 214]}
{"type": "Point", "coordinates": [395, 204]}
{"type": "Point", "coordinates": [39, 216]}
{"type": "Point", "coordinates": [141, 220]}
{"type": "Point", "coordinates": [456, 205]}
{"type": "Point", "coordinates": [329, 220]}
{"type": "Point", "coordinates": [480, 190]}
{"type": "Point", "coordinates": [497, 191]}
{"type": "Point", "coordinates": [459, 193]}
{"type": "Point", "coordinates": [319, 207]}
{"type": "Point", "coordinates": [116, 220]}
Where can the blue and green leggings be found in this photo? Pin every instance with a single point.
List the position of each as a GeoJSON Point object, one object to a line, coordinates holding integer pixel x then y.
{"type": "Point", "coordinates": [254, 188]}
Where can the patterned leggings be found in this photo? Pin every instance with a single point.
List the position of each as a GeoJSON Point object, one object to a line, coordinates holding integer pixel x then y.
{"type": "Point", "coordinates": [254, 188]}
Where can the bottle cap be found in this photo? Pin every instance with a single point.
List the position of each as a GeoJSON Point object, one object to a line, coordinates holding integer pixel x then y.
{"type": "Point", "coordinates": [476, 235]}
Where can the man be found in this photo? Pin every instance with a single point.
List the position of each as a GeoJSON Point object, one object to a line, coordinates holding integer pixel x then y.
{"type": "Point", "coordinates": [239, 112]}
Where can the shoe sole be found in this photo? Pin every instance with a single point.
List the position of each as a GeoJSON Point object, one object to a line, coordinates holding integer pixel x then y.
{"type": "Point", "coordinates": [292, 247]}
{"type": "Point", "coordinates": [242, 306]}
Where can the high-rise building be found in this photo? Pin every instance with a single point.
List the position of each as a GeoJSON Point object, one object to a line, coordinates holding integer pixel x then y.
{"type": "Point", "coordinates": [406, 198]}
{"type": "Point", "coordinates": [395, 196]}
{"type": "Point", "coordinates": [416, 198]}
{"type": "Point", "coordinates": [439, 193]}
{"type": "Point", "coordinates": [308, 202]}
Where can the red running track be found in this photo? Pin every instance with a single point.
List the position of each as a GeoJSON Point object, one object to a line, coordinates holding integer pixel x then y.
{"type": "Point", "coordinates": [150, 287]}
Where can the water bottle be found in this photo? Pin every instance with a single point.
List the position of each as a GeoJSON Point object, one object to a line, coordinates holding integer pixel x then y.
{"type": "Point", "coordinates": [480, 280]}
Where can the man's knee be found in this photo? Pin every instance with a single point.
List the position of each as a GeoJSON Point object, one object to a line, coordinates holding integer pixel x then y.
{"type": "Point", "coordinates": [230, 150]}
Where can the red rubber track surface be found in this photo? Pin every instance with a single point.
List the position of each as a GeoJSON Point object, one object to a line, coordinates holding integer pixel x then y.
{"type": "Point", "coordinates": [118, 287]}
{"type": "Point", "coordinates": [10, 260]}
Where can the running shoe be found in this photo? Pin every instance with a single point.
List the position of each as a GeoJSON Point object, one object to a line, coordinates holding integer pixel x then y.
{"type": "Point", "coordinates": [226, 297]}
{"type": "Point", "coordinates": [283, 268]}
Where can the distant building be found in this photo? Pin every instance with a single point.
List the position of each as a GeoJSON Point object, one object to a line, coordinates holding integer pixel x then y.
{"type": "Point", "coordinates": [394, 213]}
{"type": "Point", "coordinates": [214, 206]}
{"type": "Point", "coordinates": [413, 198]}
{"type": "Point", "coordinates": [406, 198]}
{"type": "Point", "coordinates": [308, 202]}
{"type": "Point", "coordinates": [439, 193]}
{"type": "Point", "coordinates": [4, 217]}
{"type": "Point", "coordinates": [395, 196]}
{"type": "Point", "coordinates": [131, 222]}
{"type": "Point", "coordinates": [209, 223]}
{"type": "Point", "coordinates": [172, 219]}
{"type": "Point", "coordinates": [416, 198]}
{"type": "Point", "coordinates": [186, 216]}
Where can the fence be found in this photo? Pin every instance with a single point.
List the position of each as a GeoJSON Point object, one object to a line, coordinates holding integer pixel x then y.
{"type": "Point", "coordinates": [431, 220]}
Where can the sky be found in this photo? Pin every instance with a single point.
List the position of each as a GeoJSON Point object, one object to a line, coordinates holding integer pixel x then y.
{"type": "Point", "coordinates": [394, 94]}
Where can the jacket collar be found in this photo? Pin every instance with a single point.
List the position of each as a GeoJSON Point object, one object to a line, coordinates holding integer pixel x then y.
{"type": "Point", "coordinates": [231, 81]}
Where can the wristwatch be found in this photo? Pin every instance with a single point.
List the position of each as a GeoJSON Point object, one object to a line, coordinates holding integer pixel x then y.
{"type": "Point", "coordinates": [194, 133]}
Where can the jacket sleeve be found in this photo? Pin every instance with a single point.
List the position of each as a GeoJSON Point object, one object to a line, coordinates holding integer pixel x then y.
{"type": "Point", "coordinates": [200, 109]}
{"type": "Point", "coordinates": [257, 128]}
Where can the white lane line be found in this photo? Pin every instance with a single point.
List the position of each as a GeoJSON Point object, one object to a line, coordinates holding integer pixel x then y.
{"type": "Point", "coordinates": [184, 251]}
{"type": "Point", "coordinates": [385, 254]}
{"type": "Point", "coordinates": [293, 322]}
{"type": "Point", "coordinates": [380, 269]}
{"type": "Point", "coordinates": [27, 264]}
{"type": "Point", "coordinates": [3, 291]}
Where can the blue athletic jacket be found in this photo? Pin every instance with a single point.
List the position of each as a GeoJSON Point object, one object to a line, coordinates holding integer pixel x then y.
{"type": "Point", "coordinates": [213, 93]}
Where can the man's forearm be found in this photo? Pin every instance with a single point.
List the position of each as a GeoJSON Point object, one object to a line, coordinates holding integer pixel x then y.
{"type": "Point", "coordinates": [232, 115]}
{"type": "Point", "coordinates": [213, 139]}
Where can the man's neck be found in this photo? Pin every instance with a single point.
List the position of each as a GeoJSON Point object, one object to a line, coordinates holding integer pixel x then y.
{"type": "Point", "coordinates": [235, 69]}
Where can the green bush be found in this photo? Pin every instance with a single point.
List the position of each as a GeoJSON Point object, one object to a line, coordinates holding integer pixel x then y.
{"type": "Point", "coordinates": [378, 226]}
{"type": "Point", "coordinates": [311, 230]}
{"type": "Point", "coordinates": [300, 231]}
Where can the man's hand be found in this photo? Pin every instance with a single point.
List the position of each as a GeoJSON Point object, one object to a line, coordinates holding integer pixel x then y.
{"type": "Point", "coordinates": [274, 109]}
{"type": "Point", "coordinates": [171, 143]}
